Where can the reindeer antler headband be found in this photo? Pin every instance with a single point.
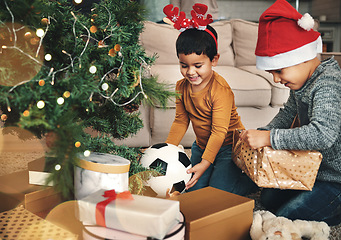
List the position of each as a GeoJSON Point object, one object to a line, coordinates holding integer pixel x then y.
{"type": "Point", "coordinates": [198, 21]}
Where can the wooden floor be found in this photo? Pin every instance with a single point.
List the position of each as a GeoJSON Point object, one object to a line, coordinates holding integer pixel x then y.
{"type": "Point", "coordinates": [16, 153]}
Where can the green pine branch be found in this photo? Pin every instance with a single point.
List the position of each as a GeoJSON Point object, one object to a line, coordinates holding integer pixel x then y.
{"type": "Point", "coordinates": [105, 99]}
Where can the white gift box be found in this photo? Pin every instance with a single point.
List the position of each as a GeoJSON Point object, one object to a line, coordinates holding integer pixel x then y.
{"type": "Point", "coordinates": [100, 171]}
{"type": "Point", "coordinates": [147, 216]}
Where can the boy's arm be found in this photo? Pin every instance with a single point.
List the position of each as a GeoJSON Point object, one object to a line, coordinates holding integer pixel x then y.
{"type": "Point", "coordinates": [324, 126]}
{"type": "Point", "coordinates": [221, 111]}
{"type": "Point", "coordinates": [256, 138]}
{"type": "Point", "coordinates": [320, 133]}
{"type": "Point", "coordinates": [197, 170]}
{"type": "Point", "coordinates": [178, 130]}
{"type": "Point", "coordinates": [283, 120]}
{"type": "Point", "coordinates": [222, 103]}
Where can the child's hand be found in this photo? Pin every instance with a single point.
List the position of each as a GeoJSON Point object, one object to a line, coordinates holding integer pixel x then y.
{"type": "Point", "coordinates": [256, 138]}
{"type": "Point", "coordinates": [198, 170]}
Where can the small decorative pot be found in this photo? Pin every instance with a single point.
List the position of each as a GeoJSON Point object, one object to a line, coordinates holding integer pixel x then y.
{"type": "Point", "coordinates": [100, 171]}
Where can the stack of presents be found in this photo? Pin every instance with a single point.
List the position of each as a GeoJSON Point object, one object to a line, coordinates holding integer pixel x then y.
{"type": "Point", "coordinates": [110, 211]}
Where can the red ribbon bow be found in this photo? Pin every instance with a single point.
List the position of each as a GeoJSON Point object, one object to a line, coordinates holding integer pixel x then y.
{"type": "Point", "coordinates": [111, 195]}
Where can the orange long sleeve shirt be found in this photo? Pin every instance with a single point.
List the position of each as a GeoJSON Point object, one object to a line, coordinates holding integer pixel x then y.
{"type": "Point", "coordinates": [213, 114]}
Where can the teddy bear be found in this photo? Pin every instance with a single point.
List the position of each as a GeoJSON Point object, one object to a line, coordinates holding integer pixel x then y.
{"type": "Point", "coordinates": [267, 226]}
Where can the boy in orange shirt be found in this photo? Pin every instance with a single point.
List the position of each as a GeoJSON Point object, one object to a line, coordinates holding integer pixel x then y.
{"type": "Point", "coordinates": [207, 101]}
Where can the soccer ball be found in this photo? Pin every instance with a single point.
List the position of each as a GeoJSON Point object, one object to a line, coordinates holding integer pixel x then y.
{"type": "Point", "coordinates": [173, 162]}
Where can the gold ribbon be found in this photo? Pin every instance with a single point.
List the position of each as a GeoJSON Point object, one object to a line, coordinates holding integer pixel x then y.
{"type": "Point", "coordinates": [103, 168]}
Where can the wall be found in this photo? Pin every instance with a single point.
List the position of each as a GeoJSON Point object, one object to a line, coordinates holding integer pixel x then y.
{"type": "Point", "coordinates": [252, 9]}
{"type": "Point", "coordinates": [329, 14]}
{"type": "Point", "coordinates": [330, 9]}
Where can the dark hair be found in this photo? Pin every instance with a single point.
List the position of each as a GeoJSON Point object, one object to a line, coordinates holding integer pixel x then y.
{"type": "Point", "coordinates": [197, 41]}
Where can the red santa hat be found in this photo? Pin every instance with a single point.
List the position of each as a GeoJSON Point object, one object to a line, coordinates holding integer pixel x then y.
{"type": "Point", "coordinates": [285, 37]}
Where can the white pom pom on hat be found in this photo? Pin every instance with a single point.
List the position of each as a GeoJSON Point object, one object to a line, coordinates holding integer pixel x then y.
{"type": "Point", "coordinates": [306, 22]}
{"type": "Point", "coordinates": [285, 37]}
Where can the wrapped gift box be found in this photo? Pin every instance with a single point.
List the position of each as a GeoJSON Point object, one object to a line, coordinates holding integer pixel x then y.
{"type": "Point", "coordinates": [211, 213]}
{"type": "Point", "coordinates": [147, 216]}
{"type": "Point", "coordinates": [20, 223]}
{"type": "Point", "coordinates": [37, 173]}
{"type": "Point", "coordinates": [101, 171]}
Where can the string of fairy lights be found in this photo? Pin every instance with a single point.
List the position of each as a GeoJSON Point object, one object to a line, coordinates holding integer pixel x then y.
{"type": "Point", "coordinates": [41, 33]}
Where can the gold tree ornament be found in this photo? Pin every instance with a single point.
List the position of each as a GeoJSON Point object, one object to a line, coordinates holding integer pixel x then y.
{"type": "Point", "coordinates": [93, 29]}
{"type": "Point", "coordinates": [66, 94]}
{"type": "Point", "coordinates": [26, 113]}
{"type": "Point", "coordinates": [45, 21]}
{"type": "Point", "coordinates": [117, 47]}
{"type": "Point", "coordinates": [3, 117]}
{"type": "Point", "coordinates": [112, 52]}
{"type": "Point", "coordinates": [41, 82]}
{"type": "Point", "coordinates": [77, 144]}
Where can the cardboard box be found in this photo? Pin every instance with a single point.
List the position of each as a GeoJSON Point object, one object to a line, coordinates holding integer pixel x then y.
{"type": "Point", "coordinates": [211, 213]}
{"type": "Point", "coordinates": [15, 190]}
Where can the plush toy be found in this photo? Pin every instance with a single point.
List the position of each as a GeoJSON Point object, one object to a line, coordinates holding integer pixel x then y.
{"type": "Point", "coordinates": [266, 226]}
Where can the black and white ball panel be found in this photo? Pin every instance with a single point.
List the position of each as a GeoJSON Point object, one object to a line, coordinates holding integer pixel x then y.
{"type": "Point", "coordinates": [174, 163]}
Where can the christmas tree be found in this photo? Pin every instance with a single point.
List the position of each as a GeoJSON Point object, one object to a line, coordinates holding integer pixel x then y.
{"type": "Point", "coordinates": [64, 69]}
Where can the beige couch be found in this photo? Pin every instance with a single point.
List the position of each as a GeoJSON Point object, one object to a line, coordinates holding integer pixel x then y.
{"type": "Point", "coordinates": [257, 97]}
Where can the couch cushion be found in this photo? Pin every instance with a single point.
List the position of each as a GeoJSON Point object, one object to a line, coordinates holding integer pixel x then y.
{"type": "Point", "coordinates": [224, 31]}
{"type": "Point", "coordinates": [244, 39]}
{"type": "Point", "coordinates": [143, 137]}
{"type": "Point", "coordinates": [279, 94]}
{"type": "Point", "coordinates": [161, 38]}
{"type": "Point", "coordinates": [253, 118]}
{"type": "Point", "coordinates": [168, 74]}
{"type": "Point", "coordinates": [249, 89]}
{"type": "Point", "coordinates": [161, 121]}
